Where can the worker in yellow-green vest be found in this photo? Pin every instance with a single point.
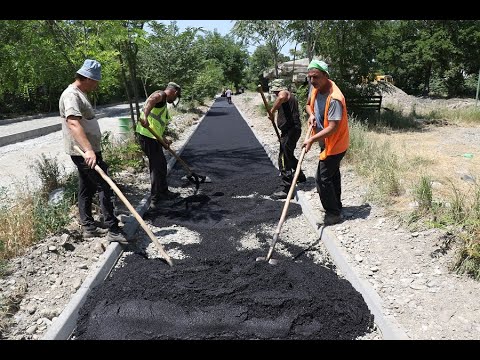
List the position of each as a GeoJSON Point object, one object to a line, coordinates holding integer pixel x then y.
{"type": "Point", "coordinates": [155, 112]}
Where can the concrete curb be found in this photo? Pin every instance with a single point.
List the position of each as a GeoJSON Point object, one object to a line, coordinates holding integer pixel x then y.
{"type": "Point", "coordinates": [389, 327]}
{"type": "Point", "coordinates": [30, 134]}
{"type": "Point", "coordinates": [9, 136]}
{"type": "Point", "coordinates": [63, 327]}
{"type": "Point", "coordinates": [52, 114]}
{"type": "Point", "coordinates": [25, 118]}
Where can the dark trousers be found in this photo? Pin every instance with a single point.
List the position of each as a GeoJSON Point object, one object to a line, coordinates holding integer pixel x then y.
{"type": "Point", "coordinates": [329, 184]}
{"type": "Point", "coordinates": [157, 165]}
{"type": "Point", "coordinates": [89, 182]}
{"type": "Point", "coordinates": [287, 162]}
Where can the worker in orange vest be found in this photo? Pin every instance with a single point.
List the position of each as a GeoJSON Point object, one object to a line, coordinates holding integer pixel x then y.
{"type": "Point", "coordinates": [327, 110]}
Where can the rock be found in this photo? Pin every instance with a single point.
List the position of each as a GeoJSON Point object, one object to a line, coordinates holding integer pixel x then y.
{"type": "Point", "coordinates": [31, 329]}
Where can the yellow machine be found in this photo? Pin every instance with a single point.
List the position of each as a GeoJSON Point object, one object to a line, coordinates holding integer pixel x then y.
{"type": "Point", "coordinates": [386, 78]}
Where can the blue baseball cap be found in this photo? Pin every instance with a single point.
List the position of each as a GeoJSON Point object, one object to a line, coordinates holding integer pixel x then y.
{"type": "Point", "coordinates": [91, 69]}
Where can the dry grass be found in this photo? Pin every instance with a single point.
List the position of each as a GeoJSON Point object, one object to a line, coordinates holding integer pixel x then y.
{"type": "Point", "coordinates": [16, 224]}
{"type": "Point", "coordinates": [437, 153]}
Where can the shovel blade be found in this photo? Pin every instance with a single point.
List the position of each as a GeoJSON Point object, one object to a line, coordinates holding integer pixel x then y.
{"type": "Point", "coordinates": [271, 261]}
{"type": "Point", "coordinates": [201, 179]}
{"type": "Point", "coordinates": [205, 179]}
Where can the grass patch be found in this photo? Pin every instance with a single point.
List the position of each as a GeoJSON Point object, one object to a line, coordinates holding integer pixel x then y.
{"type": "Point", "coordinates": [392, 178]}
{"type": "Point", "coordinates": [261, 109]}
{"type": "Point", "coordinates": [30, 218]}
{"type": "Point", "coordinates": [467, 115]}
{"type": "Point", "coordinates": [468, 259]}
{"type": "Point", "coordinates": [122, 154]}
{"type": "Point", "coordinates": [423, 193]}
{"type": "Point", "coordinates": [36, 214]}
{"type": "Point", "coordinates": [374, 161]}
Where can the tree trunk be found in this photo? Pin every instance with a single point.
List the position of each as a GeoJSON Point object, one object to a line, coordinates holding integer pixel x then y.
{"type": "Point", "coordinates": [133, 77]}
{"type": "Point", "coordinates": [426, 85]}
{"type": "Point", "coordinates": [125, 84]}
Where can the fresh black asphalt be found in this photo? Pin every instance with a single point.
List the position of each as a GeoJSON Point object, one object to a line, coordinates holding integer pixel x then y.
{"type": "Point", "coordinates": [219, 290]}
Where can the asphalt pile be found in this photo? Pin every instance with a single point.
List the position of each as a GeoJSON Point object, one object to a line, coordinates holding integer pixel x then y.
{"type": "Point", "coordinates": [225, 298]}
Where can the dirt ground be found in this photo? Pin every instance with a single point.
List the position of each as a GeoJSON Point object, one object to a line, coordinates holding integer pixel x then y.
{"type": "Point", "coordinates": [409, 270]}
{"type": "Point", "coordinates": [445, 151]}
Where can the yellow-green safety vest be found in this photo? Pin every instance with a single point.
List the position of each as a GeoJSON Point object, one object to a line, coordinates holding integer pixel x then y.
{"type": "Point", "coordinates": [158, 120]}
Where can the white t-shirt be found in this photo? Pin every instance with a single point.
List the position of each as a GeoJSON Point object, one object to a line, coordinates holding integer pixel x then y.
{"type": "Point", "coordinates": [228, 93]}
{"type": "Point", "coordinates": [74, 102]}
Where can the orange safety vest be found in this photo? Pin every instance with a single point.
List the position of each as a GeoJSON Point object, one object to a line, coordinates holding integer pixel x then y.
{"type": "Point", "coordinates": [338, 142]}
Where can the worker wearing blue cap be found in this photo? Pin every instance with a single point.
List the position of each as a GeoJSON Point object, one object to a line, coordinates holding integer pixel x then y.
{"type": "Point", "coordinates": [80, 128]}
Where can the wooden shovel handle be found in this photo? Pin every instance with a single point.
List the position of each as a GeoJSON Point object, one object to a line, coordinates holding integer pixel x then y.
{"type": "Point", "coordinates": [260, 90]}
{"type": "Point", "coordinates": [179, 159]}
{"type": "Point", "coordinates": [289, 196]}
{"type": "Point", "coordinates": [269, 111]}
{"type": "Point", "coordinates": [130, 207]}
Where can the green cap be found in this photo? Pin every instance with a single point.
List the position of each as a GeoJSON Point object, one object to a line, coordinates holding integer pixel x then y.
{"type": "Point", "coordinates": [320, 65]}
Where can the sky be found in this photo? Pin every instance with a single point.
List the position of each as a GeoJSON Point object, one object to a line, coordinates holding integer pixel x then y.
{"type": "Point", "coordinates": [222, 26]}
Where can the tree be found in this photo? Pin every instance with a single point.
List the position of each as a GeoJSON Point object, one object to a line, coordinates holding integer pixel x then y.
{"type": "Point", "coordinates": [260, 61]}
{"type": "Point", "coordinates": [32, 68]}
{"type": "Point", "coordinates": [232, 57]}
{"type": "Point", "coordinates": [207, 81]}
{"type": "Point", "coordinates": [350, 48]}
{"type": "Point", "coordinates": [422, 51]}
{"type": "Point", "coordinates": [171, 56]}
{"type": "Point", "coordinates": [128, 37]}
{"type": "Point", "coordinates": [305, 32]}
{"type": "Point", "coordinates": [273, 34]}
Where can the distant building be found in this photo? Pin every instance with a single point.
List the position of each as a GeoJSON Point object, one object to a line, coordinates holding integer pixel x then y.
{"type": "Point", "coordinates": [293, 71]}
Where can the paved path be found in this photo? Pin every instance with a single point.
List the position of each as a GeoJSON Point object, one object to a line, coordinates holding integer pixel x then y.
{"type": "Point", "coordinates": [216, 289]}
{"type": "Point", "coordinates": [27, 139]}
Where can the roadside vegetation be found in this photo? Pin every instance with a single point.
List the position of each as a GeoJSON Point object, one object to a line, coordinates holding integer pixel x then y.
{"type": "Point", "coordinates": [36, 213]}
{"type": "Point", "coordinates": [456, 210]}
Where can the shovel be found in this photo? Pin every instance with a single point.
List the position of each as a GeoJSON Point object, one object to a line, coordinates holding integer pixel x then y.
{"type": "Point", "coordinates": [192, 177]}
{"type": "Point", "coordinates": [260, 90]}
{"type": "Point", "coordinates": [285, 207]}
{"type": "Point", "coordinates": [130, 207]}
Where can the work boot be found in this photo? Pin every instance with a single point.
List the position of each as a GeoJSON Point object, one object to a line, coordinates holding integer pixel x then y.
{"type": "Point", "coordinates": [301, 178]}
{"type": "Point", "coordinates": [167, 195]}
{"type": "Point", "coordinates": [154, 207]}
{"type": "Point", "coordinates": [281, 194]}
{"type": "Point", "coordinates": [92, 231]}
{"type": "Point", "coordinates": [116, 234]}
{"type": "Point", "coordinates": [332, 219]}
{"type": "Point", "coordinates": [287, 177]}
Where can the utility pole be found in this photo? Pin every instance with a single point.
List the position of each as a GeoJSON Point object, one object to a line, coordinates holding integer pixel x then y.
{"type": "Point", "coordinates": [294, 56]}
